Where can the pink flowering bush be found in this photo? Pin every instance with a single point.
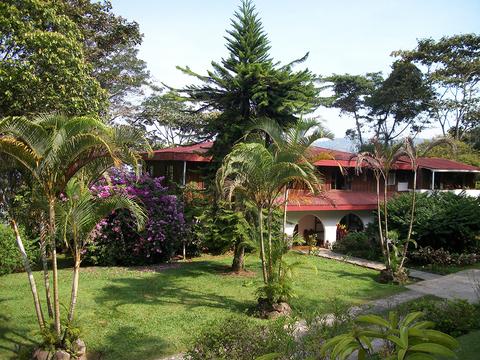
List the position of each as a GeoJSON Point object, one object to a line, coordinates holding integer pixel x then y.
{"type": "Point", "coordinates": [116, 240]}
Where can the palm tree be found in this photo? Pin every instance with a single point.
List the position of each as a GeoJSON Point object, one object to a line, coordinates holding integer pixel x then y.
{"type": "Point", "coordinates": [77, 218]}
{"type": "Point", "coordinates": [297, 140]}
{"type": "Point", "coordinates": [260, 174]}
{"type": "Point", "coordinates": [413, 155]}
{"type": "Point", "coordinates": [382, 160]}
{"type": "Point", "coordinates": [54, 148]}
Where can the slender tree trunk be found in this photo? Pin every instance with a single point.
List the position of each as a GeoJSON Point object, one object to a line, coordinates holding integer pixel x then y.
{"type": "Point", "coordinates": [76, 274]}
{"type": "Point", "coordinates": [380, 229]}
{"type": "Point", "coordinates": [56, 302]}
{"type": "Point", "coordinates": [285, 204]}
{"type": "Point", "coordinates": [262, 245]}
{"type": "Point", "coordinates": [238, 263]}
{"type": "Point", "coordinates": [46, 274]}
{"type": "Point", "coordinates": [412, 215]}
{"type": "Point", "coordinates": [270, 258]}
{"type": "Point", "coordinates": [31, 279]}
{"type": "Point", "coordinates": [385, 215]}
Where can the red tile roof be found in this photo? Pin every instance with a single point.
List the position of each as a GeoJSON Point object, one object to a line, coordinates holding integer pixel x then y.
{"type": "Point", "coordinates": [194, 153]}
{"type": "Point", "coordinates": [322, 157]}
{"type": "Point", "coordinates": [300, 200]}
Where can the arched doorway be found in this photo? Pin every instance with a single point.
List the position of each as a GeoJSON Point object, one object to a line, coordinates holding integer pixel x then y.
{"type": "Point", "coordinates": [349, 223]}
{"type": "Point", "coordinates": [310, 225]}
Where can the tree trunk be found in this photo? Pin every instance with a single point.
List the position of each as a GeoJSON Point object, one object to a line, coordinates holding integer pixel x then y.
{"type": "Point", "coordinates": [270, 258]}
{"type": "Point", "coordinates": [379, 217]}
{"type": "Point", "coordinates": [285, 204]}
{"type": "Point", "coordinates": [31, 279]}
{"type": "Point", "coordinates": [412, 214]}
{"type": "Point", "coordinates": [238, 263]}
{"type": "Point", "coordinates": [73, 298]}
{"type": "Point", "coordinates": [385, 215]}
{"type": "Point", "coordinates": [262, 245]}
{"type": "Point", "coordinates": [46, 274]}
{"type": "Point", "coordinates": [56, 303]}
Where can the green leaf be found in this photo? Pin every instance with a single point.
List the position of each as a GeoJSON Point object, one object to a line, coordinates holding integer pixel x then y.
{"type": "Point", "coordinates": [373, 319]}
{"type": "Point", "coordinates": [434, 349]}
{"type": "Point", "coordinates": [271, 356]}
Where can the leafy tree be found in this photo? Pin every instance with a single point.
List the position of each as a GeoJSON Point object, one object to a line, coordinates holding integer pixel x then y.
{"type": "Point", "coordinates": [170, 122]}
{"type": "Point", "coordinates": [248, 85]}
{"type": "Point", "coordinates": [53, 149]}
{"type": "Point", "coordinates": [110, 45]}
{"type": "Point", "coordinates": [43, 68]}
{"type": "Point", "coordinates": [460, 151]}
{"type": "Point", "coordinates": [388, 106]}
{"type": "Point", "coordinates": [452, 67]}
{"type": "Point", "coordinates": [350, 96]}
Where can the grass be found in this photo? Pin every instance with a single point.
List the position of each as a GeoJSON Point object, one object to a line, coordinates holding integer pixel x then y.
{"type": "Point", "coordinates": [127, 313]}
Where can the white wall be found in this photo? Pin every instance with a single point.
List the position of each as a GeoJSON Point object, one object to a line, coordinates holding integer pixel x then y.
{"type": "Point", "coordinates": [329, 219]}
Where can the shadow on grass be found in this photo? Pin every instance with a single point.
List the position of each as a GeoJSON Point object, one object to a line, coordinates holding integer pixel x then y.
{"type": "Point", "coordinates": [140, 346]}
{"type": "Point", "coordinates": [168, 287]}
{"type": "Point", "coordinates": [14, 338]}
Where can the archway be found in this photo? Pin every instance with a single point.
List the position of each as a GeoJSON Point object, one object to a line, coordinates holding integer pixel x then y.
{"type": "Point", "coordinates": [310, 225]}
{"type": "Point", "coordinates": [349, 223]}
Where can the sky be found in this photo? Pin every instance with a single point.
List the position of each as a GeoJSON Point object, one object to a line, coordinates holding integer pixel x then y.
{"type": "Point", "coordinates": [351, 36]}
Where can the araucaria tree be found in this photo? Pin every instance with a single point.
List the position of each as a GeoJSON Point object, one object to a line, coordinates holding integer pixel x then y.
{"type": "Point", "coordinates": [53, 150]}
{"type": "Point", "coordinates": [248, 84]}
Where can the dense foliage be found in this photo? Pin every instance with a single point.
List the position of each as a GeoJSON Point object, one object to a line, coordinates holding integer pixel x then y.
{"type": "Point", "coordinates": [43, 67]}
{"type": "Point", "coordinates": [118, 242]}
{"type": "Point", "coordinates": [240, 338]}
{"type": "Point", "coordinates": [440, 257]}
{"type": "Point", "coordinates": [442, 220]}
{"type": "Point", "coordinates": [10, 259]}
{"type": "Point", "coordinates": [454, 317]}
{"type": "Point", "coordinates": [362, 244]}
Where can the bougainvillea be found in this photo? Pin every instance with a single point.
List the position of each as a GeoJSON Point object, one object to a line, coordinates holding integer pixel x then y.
{"type": "Point", "coordinates": [116, 241]}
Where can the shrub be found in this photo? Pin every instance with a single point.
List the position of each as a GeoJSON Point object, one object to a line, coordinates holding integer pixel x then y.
{"type": "Point", "coordinates": [442, 220]}
{"type": "Point", "coordinates": [10, 258]}
{"type": "Point", "coordinates": [441, 257]}
{"type": "Point", "coordinates": [240, 338]}
{"type": "Point", "coordinates": [360, 244]}
{"type": "Point", "coordinates": [116, 241]}
{"type": "Point", "coordinates": [453, 317]}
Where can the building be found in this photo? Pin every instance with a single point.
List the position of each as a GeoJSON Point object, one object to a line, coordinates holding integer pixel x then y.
{"type": "Point", "coordinates": [348, 198]}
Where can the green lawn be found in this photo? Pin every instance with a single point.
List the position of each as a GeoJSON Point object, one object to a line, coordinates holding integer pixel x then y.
{"type": "Point", "coordinates": [126, 313]}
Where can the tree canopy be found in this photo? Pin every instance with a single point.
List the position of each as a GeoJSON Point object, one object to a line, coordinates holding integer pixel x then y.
{"type": "Point", "coordinates": [43, 67]}
{"type": "Point", "coordinates": [452, 68]}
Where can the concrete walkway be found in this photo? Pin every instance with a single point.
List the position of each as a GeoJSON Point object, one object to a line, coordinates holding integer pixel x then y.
{"type": "Point", "coordinates": [329, 254]}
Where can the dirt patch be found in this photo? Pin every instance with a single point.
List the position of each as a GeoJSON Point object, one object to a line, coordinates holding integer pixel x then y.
{"type": "Point", "coordinates": [155, 268]}
{"type": "Point", "coordinates": [243, 273]}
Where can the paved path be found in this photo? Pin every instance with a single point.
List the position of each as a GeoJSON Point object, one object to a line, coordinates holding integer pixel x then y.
{"type": "Point", "coordinates": [329, 254]}
{"type": "Point", "coordinates": [461, 285]}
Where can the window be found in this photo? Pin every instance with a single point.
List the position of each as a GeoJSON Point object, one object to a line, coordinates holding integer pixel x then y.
{"type": "Point", "coordinates": [391, 178]}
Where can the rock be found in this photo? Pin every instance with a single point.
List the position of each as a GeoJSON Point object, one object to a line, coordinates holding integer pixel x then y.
{"type": "Point", "coordinates": [40, 354]}
{"type": "Point", "coordinates": [272, 311]}
{"type": "Point", "coordinates": [79, 347]}
{"type": "Point", "coordinates": [61, 355]}
{"type": "Point", "coordinates": [282, 308]}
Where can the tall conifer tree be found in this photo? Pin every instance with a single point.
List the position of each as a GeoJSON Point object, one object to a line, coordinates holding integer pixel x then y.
{"type": "Point", "coordinates": [248, 85]}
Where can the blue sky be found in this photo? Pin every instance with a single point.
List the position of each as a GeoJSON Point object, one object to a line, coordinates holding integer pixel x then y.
{"type": "Point", "coordinates": [341, 36]}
